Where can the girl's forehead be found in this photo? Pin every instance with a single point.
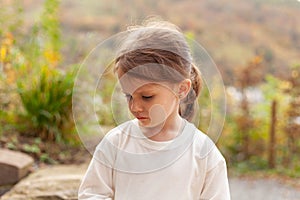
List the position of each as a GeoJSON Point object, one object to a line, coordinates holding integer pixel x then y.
{"type": "Point", "coordinates": [131, 84]}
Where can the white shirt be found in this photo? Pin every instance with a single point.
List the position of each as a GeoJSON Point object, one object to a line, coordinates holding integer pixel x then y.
{"type": "Point", "coordinates": [127, 165]}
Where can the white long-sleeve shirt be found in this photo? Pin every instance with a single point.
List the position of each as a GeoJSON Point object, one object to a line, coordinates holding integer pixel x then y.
{"type": "Point", "coordinates": [127, 165]}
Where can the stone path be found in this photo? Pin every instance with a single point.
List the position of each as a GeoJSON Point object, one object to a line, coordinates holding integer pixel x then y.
{"type": "Point", "coordinates": [52, 183]}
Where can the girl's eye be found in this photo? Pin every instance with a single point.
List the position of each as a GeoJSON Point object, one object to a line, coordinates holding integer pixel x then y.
{"type": "Point", "coordinates": [147, 97]}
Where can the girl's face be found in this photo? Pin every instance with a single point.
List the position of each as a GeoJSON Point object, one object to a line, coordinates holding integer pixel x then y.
{"type": "Point", "coordinates": [151, 103]}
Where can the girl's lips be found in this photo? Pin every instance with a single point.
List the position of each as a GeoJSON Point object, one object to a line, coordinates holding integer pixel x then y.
{"type": "Point", "coordinates": [140, 118]}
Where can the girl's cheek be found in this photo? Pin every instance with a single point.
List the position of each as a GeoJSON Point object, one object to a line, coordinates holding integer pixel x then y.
{"type": "Point", "coordinates": [157, 114]}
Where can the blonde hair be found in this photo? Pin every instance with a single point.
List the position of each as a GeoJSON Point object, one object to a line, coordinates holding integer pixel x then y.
{"type": "Point", "coordinates": [162, 43]}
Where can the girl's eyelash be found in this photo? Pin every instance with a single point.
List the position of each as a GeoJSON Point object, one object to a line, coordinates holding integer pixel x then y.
{"type": "Point", "coordinates": [147, 97]}
{"type": "Point", "coordinates": [128, 96]}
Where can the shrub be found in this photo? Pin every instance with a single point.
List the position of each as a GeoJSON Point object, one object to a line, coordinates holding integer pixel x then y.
{"type": "Point", "coordinates": [47, 102]}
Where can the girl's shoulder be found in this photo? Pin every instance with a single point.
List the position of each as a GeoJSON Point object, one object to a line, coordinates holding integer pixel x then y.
{"type": "Point", "coordinates": [205, 148]}
{"type": "Point", "coordinates": [200, 139]}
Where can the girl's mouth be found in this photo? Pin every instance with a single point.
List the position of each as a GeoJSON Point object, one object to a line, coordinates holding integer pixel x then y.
{"type": "Point", "coordinates": [142, 118]}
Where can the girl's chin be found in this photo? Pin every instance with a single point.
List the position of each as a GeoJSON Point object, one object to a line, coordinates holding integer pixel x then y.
{"type": "Point", "coordinates": [144, 122]}
{"type": "Point", "coordinates": [149, 124]}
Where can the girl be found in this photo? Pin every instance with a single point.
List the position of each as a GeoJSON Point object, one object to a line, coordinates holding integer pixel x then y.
{"type": "Point", "coordinates": [159, 154]}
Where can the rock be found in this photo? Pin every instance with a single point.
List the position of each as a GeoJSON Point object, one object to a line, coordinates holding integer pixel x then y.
{"type": "Point", "coordinates": [53, 183]}
{"type": "Point", "coordinates": [4, 188]}
{"type": "Point", "coordinates": [13, 166]}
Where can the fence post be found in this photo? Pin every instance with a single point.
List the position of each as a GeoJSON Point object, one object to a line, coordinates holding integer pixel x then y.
{"type": "Point", "coordinates": [272, 138]}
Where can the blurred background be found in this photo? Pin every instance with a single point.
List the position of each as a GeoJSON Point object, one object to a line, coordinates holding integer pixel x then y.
{"type": "Point", "coordinates": [255, 45]}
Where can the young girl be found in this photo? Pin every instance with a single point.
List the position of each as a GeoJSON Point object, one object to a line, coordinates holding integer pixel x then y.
{"type": "Point", "coordinates": [159, 154]}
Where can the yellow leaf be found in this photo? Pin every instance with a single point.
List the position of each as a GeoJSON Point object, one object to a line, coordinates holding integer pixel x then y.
{"type": "Point", "coordinates": [52, 57]}
{"type": "Point", "coordinates": [9, 39]}
{"type": "Point", "coordinates": [257, 60]}
{"type": "Point", "coordinates": [285, 85]}
{"type": "Point", "coordinates": [10, 76]}
{"type": "Point", "coordinates": [3, 52]}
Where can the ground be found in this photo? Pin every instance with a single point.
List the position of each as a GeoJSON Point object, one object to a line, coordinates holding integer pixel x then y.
{"type": "Point", "coordinates": [258, 186]}
{"type": "Point", "coordinates": [250, 188]}
{"type": "Point", "coordinates": [44, 152]}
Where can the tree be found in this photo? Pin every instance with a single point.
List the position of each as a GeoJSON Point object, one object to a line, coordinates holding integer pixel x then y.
{"type": "Point", "coordinates": [249, 76]}
{"type": "Point", "coordinates": [292, 128]}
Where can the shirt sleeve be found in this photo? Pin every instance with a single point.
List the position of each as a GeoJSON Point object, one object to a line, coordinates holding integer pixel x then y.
{"type": "Point", "coordinates": [216, 186]}
{"type": "Point", "coordinates": [97, 182]}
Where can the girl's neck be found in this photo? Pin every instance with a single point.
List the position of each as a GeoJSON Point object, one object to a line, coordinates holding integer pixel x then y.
{"type": "Point", "coordinates": [170, 129]}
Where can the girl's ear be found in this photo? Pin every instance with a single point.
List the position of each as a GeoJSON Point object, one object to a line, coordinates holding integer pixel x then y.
{"type": "Point", "coordinates": [184, 88]}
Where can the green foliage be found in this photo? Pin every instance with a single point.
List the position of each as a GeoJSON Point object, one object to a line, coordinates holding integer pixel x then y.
{"type": "Point", "coordinates": [50, 31]}
{"type": "Point", "coordinates": [204, 109]}
{"type": "Point", "coordinates": [10, 21]}
{"type": "Point", "coordinates": [254, 163]}
{"type": "Point", "coordinates": [1, 121]}
{"type": "Point", "coordinates": [106, 90]}
{"type": "Point", "coordinates": [35, 96]}
{"type": "Point", "coordinates": [45, 92]}
{"type": "Point", "coordinates": [47, 103]}
{"type": "Point", "coordinates": [11, 146]}
{"type": "Point", "coordinates": [258, 142]}
{"type": "Point", "coordinates": [31, 148]}
{"type": "Point", "coordinates": [50, 24]}
{"type": "Point", "coordinates": [292, 127]}
{"type": "Point", "coordinates": [45, 158]}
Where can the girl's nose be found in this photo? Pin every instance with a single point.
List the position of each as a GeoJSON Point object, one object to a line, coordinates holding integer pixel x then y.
{"type": "Point", "coordinates": [136, 105]}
